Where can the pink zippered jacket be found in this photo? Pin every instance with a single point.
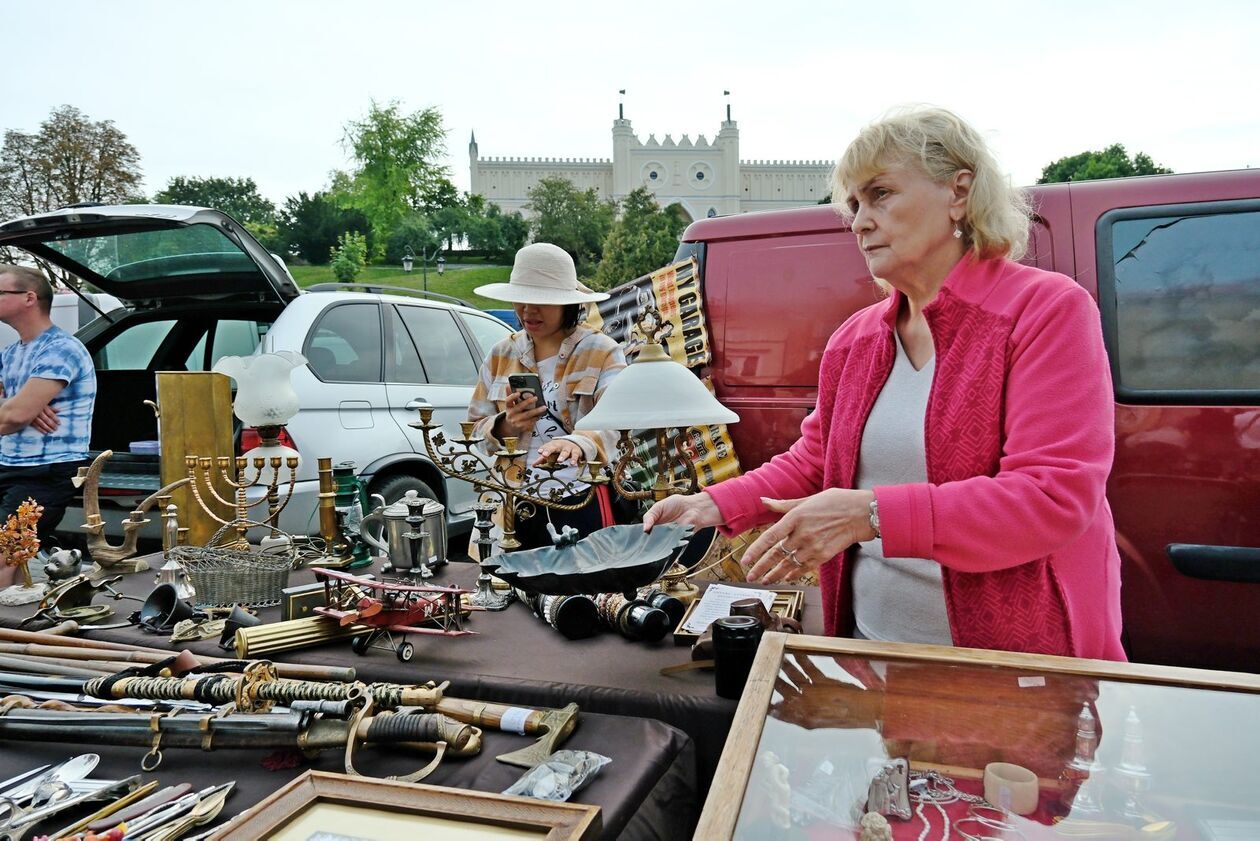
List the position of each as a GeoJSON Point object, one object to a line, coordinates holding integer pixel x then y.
{"type": "Point", "coordinates": [1020, 435]}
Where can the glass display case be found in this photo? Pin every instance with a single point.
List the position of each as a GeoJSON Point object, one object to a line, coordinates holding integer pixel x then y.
{"type": "Point", "coordinates": [948, 743]}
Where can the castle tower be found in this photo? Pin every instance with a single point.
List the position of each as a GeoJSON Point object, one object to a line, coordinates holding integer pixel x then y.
{"type": "Point", "coordinates": [727, 143]}
{"type": "Point", "coordinates": [473, 169]}
{"type": "Point", "coordinates": [624, 176]}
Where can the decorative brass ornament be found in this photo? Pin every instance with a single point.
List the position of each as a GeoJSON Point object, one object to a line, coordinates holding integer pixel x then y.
{"type": "Point", "coordinates": [109, 558]}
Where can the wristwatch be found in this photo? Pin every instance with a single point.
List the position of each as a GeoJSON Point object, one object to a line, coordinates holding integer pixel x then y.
{"type": "Point", "coordinates": [875, 519]}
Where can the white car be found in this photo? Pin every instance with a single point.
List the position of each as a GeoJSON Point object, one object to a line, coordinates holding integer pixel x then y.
{"type": "Point", "coordinates": [196, 287]}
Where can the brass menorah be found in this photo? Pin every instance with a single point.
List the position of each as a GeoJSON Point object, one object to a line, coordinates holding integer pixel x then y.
{"type": "Point", "coordinates": [519, 488]}
{"type": "Point", "coordinates": [202, 470]}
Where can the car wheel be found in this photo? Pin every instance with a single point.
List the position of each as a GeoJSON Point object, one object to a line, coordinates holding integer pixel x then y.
{"type": "Point", "coordinates": [394, 487]}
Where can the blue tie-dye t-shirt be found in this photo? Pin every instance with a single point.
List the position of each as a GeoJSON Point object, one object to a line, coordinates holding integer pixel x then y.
{"type": "Point", "coordinates": [52, 355]}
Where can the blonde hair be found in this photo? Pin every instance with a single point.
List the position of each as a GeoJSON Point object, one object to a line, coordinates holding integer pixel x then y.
{"type": "Point", "coordinates": [31, 280]}
{"type": "Point", "coordinates": [941, 144]}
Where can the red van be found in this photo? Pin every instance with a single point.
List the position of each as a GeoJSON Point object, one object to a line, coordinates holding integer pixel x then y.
{"type": "Point", "coordinates": [1174, 263]}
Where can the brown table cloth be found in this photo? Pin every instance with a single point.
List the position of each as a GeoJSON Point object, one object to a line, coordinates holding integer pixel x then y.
{"type": "Point", "coordinates": [646, 792]}
{"type": "Point", "coordinates": [516, 658]}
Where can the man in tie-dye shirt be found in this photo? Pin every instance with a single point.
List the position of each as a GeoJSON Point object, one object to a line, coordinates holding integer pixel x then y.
{"type": "Point", "coordinates": [49, 392]}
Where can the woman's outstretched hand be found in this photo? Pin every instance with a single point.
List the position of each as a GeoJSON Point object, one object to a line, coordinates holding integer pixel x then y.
{"type": "Point", "coordinates": [565, 452]}
{"type": "Point", "coordinates": [697, 510]}
{"type": "Point", "coordinates": [812, 531]}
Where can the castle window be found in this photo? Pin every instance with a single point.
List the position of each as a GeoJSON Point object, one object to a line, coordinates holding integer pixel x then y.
{"type": "Point", "coordinates": [700, 175]}
{"type": "Point", "coordinates": [652, 175]}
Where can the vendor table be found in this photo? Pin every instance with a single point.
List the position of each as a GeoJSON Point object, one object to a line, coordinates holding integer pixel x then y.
{"type": "Point", "coordinates": [515, 658]}
{"type": "Point", "coordinates": [646, 792]}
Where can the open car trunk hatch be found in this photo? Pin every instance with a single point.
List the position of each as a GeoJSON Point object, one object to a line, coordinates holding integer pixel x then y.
{"type": "Point", "coordinates": [154, 255]}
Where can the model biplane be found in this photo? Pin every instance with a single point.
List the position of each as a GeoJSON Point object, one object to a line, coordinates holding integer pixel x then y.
{"type": "Point", "coordinates": [392, 610]}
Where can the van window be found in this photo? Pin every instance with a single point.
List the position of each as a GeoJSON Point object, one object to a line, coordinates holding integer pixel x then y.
{"type": "Point", "coordinates": [443, 350]}
{"type": "Point", "coordinates": [1186, 290]}
{"type": "Point", "coordinates": [134, 348]}
{"type": "Point", "coordinates": [487, 331]}
{"type": "Point", "coordinates": [187, 252]}
{"type": "Point", "coordinates": [402, 362]}
{"type": "Point", "coordinates": [345, 344]}
{"type": "Point", "coordinates": [231, 338]}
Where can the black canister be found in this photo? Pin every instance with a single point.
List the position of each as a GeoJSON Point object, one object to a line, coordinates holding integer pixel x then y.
{"type": "Point", "coordinates": [735, 641]}
{"type": "Point", "coordinates": [640, 621]}
{"type": "Point", "coordinates": [673, 607]}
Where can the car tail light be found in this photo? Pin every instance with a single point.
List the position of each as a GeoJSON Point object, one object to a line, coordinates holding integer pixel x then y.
{"type": "Point", "coordinates": [250, 439]}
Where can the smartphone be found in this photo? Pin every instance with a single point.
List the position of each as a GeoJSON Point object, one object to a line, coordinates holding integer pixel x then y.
{"type": "Point", "coordinates": [526, 384]}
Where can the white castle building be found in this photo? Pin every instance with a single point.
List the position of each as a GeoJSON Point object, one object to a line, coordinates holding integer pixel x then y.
{"type": "Point", "coordinates": [705, 178]}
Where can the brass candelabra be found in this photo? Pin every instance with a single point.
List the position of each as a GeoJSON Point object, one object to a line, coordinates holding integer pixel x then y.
{"type": "Point", "coordinates": [202, 470]}
{"type": "Point", "coordinates": [520, 490]}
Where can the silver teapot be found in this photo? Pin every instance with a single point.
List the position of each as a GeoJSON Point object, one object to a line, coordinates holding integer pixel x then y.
{"type": "Point", "coordinates": [385, 527]}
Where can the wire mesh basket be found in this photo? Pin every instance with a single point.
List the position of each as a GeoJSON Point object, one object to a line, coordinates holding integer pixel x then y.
{"type": "Point", "coordinates": [225, 576]}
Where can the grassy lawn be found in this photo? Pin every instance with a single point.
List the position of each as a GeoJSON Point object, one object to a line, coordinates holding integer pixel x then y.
{"type": "Point", "coordinates": [458, 281]}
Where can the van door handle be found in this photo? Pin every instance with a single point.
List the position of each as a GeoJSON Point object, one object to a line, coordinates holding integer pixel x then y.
{"type": "Point", "coordinates": [415, 404]}
{"type": "Point", "coordinates": [1216, 563]}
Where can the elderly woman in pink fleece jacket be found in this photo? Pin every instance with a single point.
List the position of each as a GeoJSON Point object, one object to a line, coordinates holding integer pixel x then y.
{"type": "Point", "coordinates": [950, 486]}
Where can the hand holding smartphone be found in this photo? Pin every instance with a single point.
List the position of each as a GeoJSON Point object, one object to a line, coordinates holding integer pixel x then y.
{"type": "Point", "coordinates": [526, 384]}
{"type": "Point", "coordinates": [520, 416]}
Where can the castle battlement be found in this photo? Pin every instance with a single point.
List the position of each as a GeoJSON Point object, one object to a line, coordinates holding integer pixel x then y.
{"type": "Point", "coordinates": [773, 163]}
{"type": "Point", "coordinates": [705, 178]}
{"type": "Point", "coordinates": [534, 161]}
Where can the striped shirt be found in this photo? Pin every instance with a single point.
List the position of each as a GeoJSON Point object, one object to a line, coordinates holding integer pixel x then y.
{"type": "Point", "coordinates": [52, 355]}
{"type": "Point", "coordinates": [586, 363]}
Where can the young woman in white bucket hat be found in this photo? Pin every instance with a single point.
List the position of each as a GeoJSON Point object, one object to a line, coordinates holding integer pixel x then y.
{"type": "Point", "coordinates": [574, 363]}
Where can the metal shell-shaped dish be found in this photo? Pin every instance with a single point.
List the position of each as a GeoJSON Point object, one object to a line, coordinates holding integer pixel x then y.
{"type": "Point", "coordinates": [616, 559]}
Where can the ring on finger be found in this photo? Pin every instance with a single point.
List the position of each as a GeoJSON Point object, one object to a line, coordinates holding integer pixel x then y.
{"type": "Point", "coordinates": [790, 553]}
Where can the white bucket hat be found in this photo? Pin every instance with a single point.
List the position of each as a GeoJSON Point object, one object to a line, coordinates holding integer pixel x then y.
{"type": "Point", "coordinates": [541, 274]}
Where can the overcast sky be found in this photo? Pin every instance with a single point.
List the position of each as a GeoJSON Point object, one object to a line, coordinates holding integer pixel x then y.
{"type": "Point", "coordinates": [264, 88]}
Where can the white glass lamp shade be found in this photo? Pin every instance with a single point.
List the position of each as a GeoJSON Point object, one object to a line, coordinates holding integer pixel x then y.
{"type": "Point", "coordinates": [655, 393]}
{"type": "Point", "coordinates": [264, 394]}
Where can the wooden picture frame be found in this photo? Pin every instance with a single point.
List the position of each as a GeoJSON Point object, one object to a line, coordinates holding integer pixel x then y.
{"type": "Point", "coordinates": [363, 808]}
{"type": "Point", "coordinates": [722, 810]}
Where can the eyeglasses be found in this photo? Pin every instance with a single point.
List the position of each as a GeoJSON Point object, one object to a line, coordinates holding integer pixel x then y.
{"type": "Point", "coordinates": [14, 291]}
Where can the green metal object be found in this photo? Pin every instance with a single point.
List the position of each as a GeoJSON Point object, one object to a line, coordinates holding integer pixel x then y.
{"type": "Point", "coordinates": [351, 502]}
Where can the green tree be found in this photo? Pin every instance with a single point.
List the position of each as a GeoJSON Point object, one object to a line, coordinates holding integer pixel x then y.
{"type": "Point", "coordinates": [349, 256]}
{"type": "Point", "coordinates": [1112, 162]}
{"type": "Point", "coordinates": [491, 230]}
{"type": "Point", "coordinates": [395, 170]}
{"type": "Point", "coordinates": [441, 194]}
{"type": "Point", "coordinates": [415, 232]}
{"type": "Point", "coordinates": [237, 197]}
{"type": "Point", "coordinates": [451, 223]}
{"type": "Point", "coordinates": [643, 239]}
{"type": "Point", "coordinates": [71, 159]}
{"type": "Point", "coordinates": [576, 220]}
{"type": "Point", "coordinates": [312, 224]}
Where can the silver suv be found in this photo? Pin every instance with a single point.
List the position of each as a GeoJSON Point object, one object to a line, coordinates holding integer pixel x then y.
{"type": "Point", "coordinates": [196, 287]}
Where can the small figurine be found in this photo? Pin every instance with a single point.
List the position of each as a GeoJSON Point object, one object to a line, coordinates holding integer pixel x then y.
{"type": "Point", "coordinates": [1131, 774]}
{"type": "Point", "coordinates": [875, 827]}
{"type": "Point", "coordinates": [888, 793]}
{"type": "Point", "coordinates": [63, 564]}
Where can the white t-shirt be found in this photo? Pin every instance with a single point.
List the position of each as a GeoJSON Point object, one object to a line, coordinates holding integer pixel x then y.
{"type": "Point", "coordinates": [548, 428]}
{"type": "Point", "coordinates": [898, 599]}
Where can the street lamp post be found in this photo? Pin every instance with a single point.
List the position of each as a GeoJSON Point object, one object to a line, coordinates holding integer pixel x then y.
{"type": "Point", "coordinates": [409, 258]}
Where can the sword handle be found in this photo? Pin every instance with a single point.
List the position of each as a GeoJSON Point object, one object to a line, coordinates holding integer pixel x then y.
{"type": "Point", "coordinates": [487, 714]}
